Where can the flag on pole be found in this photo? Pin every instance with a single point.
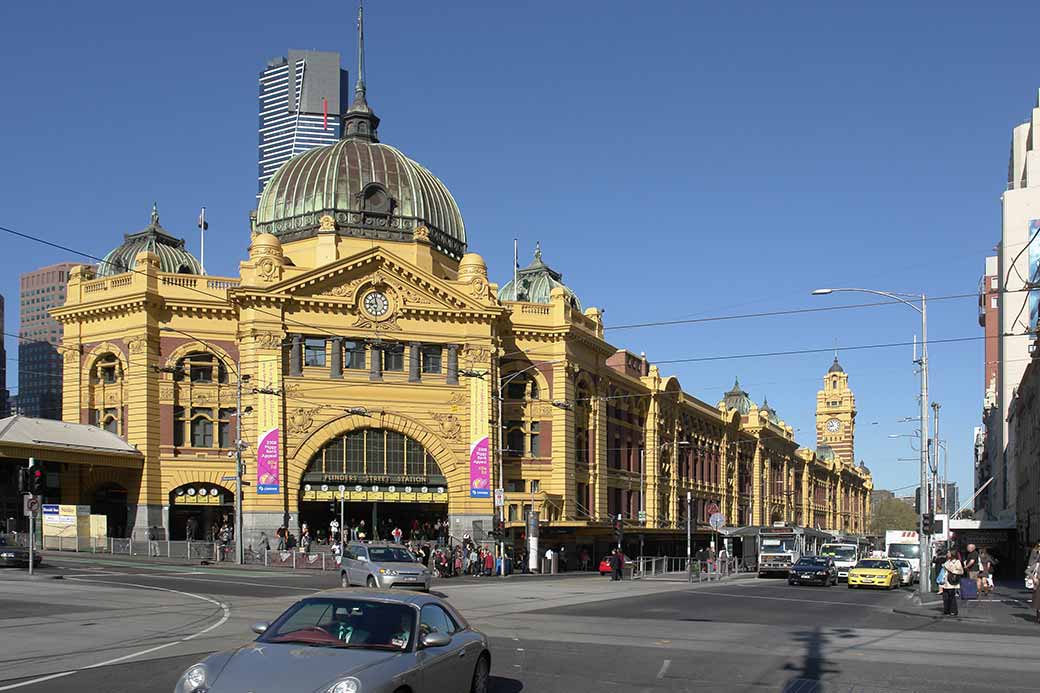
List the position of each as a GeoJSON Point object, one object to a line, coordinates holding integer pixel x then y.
{"type": "Point", "coordinates": [324, 113]}
{"type": "Point", "coordinates": [203, 224]}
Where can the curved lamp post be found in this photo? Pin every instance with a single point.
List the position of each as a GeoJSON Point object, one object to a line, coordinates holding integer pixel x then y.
{"type": "Point", "coordinates": [922, 309]}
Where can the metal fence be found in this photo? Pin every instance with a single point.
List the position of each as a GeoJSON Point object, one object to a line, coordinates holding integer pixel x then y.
{"type": "Point", "coordinates": [695, 570]}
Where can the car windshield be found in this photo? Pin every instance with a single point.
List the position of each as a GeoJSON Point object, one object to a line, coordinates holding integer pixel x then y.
{"type": "Point", "coordinates": [874, 563]}
{"type": "Point", "coordinates": [812, 563]}
{"type": "Point", "coordinates": [328, 622]}
{"type": "Point", "coordinates": [840, 553]}
{"type": "Point", "coordinates": [390, 554]}
{"type": "Point", "coordinates": [779, 545]}
{"type": "Point", "coordinates": [904, 550]}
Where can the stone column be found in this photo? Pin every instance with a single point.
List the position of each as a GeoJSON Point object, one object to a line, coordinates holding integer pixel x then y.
{"type": "Point", "coordinates": [413, 362]}
{"type": "Point", "coordinates": [375, 362]}
{"type": "Point", "coordinates": [296, 355]}
{"type": "Point", "coordinates": [756, 485]}
{"type": "Point", "coordinates": [336, 364]}
{"type": "Point", "coordinates": [453, 364]}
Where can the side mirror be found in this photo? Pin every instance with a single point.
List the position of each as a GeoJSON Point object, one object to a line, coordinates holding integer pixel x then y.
{"type": "Point", "coordinates": [436, 640]}
{"type": "Point", "coordinates": [260, 628]}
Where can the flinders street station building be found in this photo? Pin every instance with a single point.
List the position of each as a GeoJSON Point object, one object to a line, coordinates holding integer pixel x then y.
{"type": "Point", "coordinates": [363, 353]}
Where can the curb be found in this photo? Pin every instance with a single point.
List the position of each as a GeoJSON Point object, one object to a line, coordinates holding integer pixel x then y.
{"type": "Point", "coordinates": [939, 616]}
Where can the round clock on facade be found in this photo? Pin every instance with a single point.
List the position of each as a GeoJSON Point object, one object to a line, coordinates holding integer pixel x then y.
{"type": "Point", "coordinates": [833, 425]}
{"type": "Point", "coordinates": [376, 304]}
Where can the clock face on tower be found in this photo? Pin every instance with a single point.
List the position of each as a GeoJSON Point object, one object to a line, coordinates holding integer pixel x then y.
{"type": "Point", "coordinates": [376, 304]}
{"type": "Point", "coordinates": [833, 425]}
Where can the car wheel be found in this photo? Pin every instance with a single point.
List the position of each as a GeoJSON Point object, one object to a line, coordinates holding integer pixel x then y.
{"type": "Point", "coordinates": [344, 581]}
{"type": "Point", "coordinates": [481, 675]}
{"type": "Point", "coordinates": [371, 583]}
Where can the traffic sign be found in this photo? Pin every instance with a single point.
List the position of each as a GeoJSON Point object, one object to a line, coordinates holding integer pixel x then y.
{"type": "Point", "coordinates": [712, 509]}
{"type": "Point", "coordinates": [30, 505]}
{"type": "Point", "coordinates": [642, 516]}
{"type": "Point", "coordinates": [717, 520]}
{"type": "Point", "coordinates": [500, 498]}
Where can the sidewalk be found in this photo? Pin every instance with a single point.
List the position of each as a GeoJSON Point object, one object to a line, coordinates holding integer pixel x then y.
{"type": "Point", "coordinates": [1008, 605]}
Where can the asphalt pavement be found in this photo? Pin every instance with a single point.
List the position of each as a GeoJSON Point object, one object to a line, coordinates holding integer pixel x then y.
{"type": "Point", "coordinates": [123, 625]}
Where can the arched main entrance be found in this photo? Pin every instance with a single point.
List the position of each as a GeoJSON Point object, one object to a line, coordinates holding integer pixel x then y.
{"type": "Point", "coordinates": [381, 477]}
{"type": "Point", "coordinates": [110, 500]}
{"type": "Point", "coordinates": [200, 509]}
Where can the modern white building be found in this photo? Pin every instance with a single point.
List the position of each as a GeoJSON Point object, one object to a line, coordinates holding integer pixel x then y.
{"type": "Point", "coordinates": [302, 98]}
{"type": "Point", "coordinates": [1018, 266]}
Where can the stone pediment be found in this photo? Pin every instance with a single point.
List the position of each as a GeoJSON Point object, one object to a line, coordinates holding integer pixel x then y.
{"type": "Point", "coordinates": [407, 288]}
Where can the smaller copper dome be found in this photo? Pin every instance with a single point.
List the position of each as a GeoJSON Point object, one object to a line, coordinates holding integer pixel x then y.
{"type": "Point", "coordinates": [153, 238]}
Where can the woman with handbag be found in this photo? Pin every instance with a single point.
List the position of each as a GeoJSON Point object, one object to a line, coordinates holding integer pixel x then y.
{"type": "Point", "coordinates": [949, 582]}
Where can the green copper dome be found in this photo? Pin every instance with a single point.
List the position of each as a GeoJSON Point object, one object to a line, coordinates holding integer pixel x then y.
{"type": "Point", "coordinates": [153, 238]}
{"type": "Point", "coordinates": [536, 283]}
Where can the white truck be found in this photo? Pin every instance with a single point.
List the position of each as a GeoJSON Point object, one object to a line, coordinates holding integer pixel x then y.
{"type": "Point", "coordinates": [844, 555]}
{"type": "Point", "coordinates": [904, 544]}
{"type": "Point", "coordinates": [780, 547]}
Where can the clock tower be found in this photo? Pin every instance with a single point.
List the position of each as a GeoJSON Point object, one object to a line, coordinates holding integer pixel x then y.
{"type": "Point", "coordinates": [836, 414]}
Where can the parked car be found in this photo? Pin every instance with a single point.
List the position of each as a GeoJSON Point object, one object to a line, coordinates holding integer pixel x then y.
{"type": "Point", "coordinates": [907, 574]}
{"type": "Point", "coordinates": [819, 570]}
{"type": "Point", "coordinates": [17, 557]}
{"type": "Point", "coordinates": [604, 565]}
{"type": "Point", "coordinates": [382, 566]}
{"type": "Point", "coordinates": [353, 641]}
{"type": "Point", "coordinates": [874, 572]}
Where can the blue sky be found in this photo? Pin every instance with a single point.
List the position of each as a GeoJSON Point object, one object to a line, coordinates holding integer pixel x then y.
{"type": "Point", "coordinates": [675, 159]}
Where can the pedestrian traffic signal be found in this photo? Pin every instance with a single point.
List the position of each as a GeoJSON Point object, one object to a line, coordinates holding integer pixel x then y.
{"type": "Point", "coordinates": [926, 523]}
{"type": "Point", "coordinates": [37, 484]}
{"type": "Point", "coordinates": [619, 529]}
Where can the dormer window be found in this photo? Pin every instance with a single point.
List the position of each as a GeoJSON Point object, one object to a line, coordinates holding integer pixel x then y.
{"type": "Point", "coordinates": [375, 199]}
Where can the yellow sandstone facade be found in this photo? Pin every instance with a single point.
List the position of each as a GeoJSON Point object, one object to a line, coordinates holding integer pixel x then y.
{"type": "Point", "coordinates": [377, 364]}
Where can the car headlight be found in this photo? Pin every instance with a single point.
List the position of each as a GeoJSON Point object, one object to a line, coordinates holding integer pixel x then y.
{"type": "Point", "coordinates": [193, 680]}
{"type": "Point", "coordinates": [822, 572]}
{"type": "Point", "coordinates": [382, 571]}
{"type": "Point", "coordinates": [350, 685]}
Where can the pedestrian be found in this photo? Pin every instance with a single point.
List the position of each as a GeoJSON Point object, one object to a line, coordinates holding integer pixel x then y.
{"type": "Point", "coordinates": [937, 564]}
{"type": "Point", "coordinates": [153, 541]}
{"type": "Point", "coordinates": [280, 533]}
{"type": "Point", "coordinates": [265, 543]}
{"type": "Point", "coordinates": [362, 532]}
{"type": "Point", "coordinates": [971, 566]}
{"type": "Point", "coordinates": [986, 562]}
{"type": "Point", "coordinates": [949, 582]}
{"type": "Point", "coordinates": [489, 563]}
{"type": "Point", "coordinates": [190, 527]}
{"type": "Point", "coordinates": [548, 561]}
{"type": "Point", "coordinates": [617, 561]}
{"type": "Point", "coordinates": [583, 559]}
{"type": "Point", "coordinates": [397, 534]}
{"type": "Point", "coordinates": [1034, 576]}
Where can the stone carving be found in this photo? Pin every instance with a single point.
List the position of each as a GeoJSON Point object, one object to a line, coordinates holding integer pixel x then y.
{"type": "Point", "coordinates": [166, 393]}
{"type": "Point", "coordinates": [421, 233]}
{"type": "Point", "coordinates": [200, 398]}
{"type": "Point", "coordinates": [268, 340]}
{"type": "Point", "coordinates": [112, 398]}
{"type": "Point", "coordinates": [71, 355]}
{"type": "Point", "coordinates": [326, 223]}
{"type": "Point", "coordinates": [457, 399]}
{"type": "Point", "coordinates": [388, 325]}
{"type": "Point", "coordinates": [301, 420]}
{"type": "Point", "coordinates": [137, 345]}
{"type": "Point", "coordinates": [267, 269]}
{"type": "Point", "coordinates": [474, 355]}
{"type": "Point", "coordinates": [292, 391]}
{"type": "Point", "coordinates": [479, 288]}
{"type": "Point", "coordinates": [450, 426]}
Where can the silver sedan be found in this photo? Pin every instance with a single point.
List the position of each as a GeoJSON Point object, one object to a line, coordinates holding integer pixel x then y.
{"type": "Point", "coordinates": [353, 641]}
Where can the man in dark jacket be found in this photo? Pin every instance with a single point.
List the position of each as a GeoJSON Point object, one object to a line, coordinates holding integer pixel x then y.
{"type": "Point", "coordinates": [617, 561]}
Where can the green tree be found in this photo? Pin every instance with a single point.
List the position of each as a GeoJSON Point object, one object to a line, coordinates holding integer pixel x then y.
{"type": "Point", "coordinates": [892, 514]}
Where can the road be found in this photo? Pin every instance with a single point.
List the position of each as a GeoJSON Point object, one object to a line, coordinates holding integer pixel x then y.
{"type": "Point", "coordinates": [125, 625]}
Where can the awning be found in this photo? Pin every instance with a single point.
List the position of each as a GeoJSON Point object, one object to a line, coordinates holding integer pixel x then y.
{"type": "Point", "coordinates": [22, 437]}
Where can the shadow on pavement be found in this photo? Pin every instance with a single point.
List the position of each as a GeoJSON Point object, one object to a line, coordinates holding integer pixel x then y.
{"type": "Point", "coordinates": [808, 678]}
{"type": "Point", "coordinates": [497, 684]}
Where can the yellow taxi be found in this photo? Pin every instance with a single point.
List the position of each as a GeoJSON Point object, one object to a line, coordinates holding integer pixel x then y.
{"type": "Point", "coordinates": [874, 572]}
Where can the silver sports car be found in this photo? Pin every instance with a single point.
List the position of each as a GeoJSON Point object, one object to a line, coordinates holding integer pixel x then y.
{"type": "Point", "coordinates": [353, 641]}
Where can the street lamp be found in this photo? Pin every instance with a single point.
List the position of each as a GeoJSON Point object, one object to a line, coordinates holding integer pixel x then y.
{"type": "Point", "coordinates": [239, 548]}
{"type": "Point", "coordinates": [922, 309]}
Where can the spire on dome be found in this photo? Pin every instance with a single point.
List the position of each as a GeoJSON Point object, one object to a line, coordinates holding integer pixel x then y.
{"type": "Point", "coordinates": [359, 122]}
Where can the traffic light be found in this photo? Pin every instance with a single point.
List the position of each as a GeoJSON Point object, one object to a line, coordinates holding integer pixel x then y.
{"type": "Point", "coordinates": [37, 483]}
{"type": "Point", "coordinates": [23, 480]}
{"type": "Point", "coordinates": [500, 527]}
{"type": "Point", "coordinates": [619, 529]}
{"type": "Point", "coordinates": [926, 523]}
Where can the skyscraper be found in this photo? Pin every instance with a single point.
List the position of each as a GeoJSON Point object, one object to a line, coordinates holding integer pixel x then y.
{"type": "Point", "coordinates": [39, 360]}
{"type": "Point", "coordinates": [302, 97]}
{"type": "Point", "coordinates": [5, 403]}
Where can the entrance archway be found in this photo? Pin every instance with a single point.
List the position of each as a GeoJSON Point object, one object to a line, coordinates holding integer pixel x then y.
{"type": "Point", "coordinates": [110, 500]}
{"type": "Point", "coordinates": [378, 476]}
{"type": "Point", "coordinates": [199, 510]}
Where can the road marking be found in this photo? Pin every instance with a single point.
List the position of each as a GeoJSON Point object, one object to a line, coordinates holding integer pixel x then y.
{"type": "Point", "coordinates": [664, 668]}
{"type": "Point", "coordinates": [182, 576]}
{"type": "Point", "coordinates": [789, 599]}
{"type": "Point", "coordinates": [223, 619]}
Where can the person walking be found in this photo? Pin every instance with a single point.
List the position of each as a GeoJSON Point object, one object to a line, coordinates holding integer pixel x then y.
{"type": "Point", "coordinates": [489, 563]}
{"type": "Point", "coordinates": [971, 566]}
{"type": "Point", "coordinates": [265, 543]}
{"type": "Point", "coordinates": [617, 561]}
{"type": "Point", "coordinates": [949, 583]}
{"type": "Point", "coordinates": [986, 563]}
{"type": "Point", "coordinates": [397, 534]}
{"type": "Point", "coordinates": [153, 541]}
{"type": "Point", "coordinates": [281, 538]}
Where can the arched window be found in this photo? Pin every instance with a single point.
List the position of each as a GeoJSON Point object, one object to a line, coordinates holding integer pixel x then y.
{"type": "Point", "coordinates": [106, 393]}
{"type": "Point", "coordinates": [374, 453]}
{"type": "Point", "coordinates": [522, 387]}
{"type": "Point", "coordinates": [375, 198]}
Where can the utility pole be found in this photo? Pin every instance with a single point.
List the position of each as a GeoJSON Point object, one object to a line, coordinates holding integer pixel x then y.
{"type": "Point", "coordinates": [239, 549]}
{"type": "Point", "coordinates": [925, 558]}
{"type": "Point", "coordinates": [935, 458]}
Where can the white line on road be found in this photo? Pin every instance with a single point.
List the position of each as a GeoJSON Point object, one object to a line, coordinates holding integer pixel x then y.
{"type": "Point", "coordinates": [789, 599]}
{"type": "Point", "coordinates": [664, 668]}
{"type": "Point", "coordinates": [223, 619]}
{"type": "Point", "coordinates": [183, 576]}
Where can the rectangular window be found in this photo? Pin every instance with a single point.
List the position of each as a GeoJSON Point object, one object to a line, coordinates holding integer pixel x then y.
{"type": "Point", "coordinates": [356, 452]}
{"type": "Point", "coordinates": [536, 485]}
{"type": "Point", "coordinates": [178, 427]}
{"type": "Point", "coordinates": [201, 428]}
{"type": "Point", "coordinates": [993, 302]}
{"type": "Point", "coordinates": [111, 421]}
{"type": "Point", "coordinates": [355, 355]}
{"type": "Point", "coordinates": [515, 485]}
{"type": "Point", "coordinates": [108, 374]}
{"type": "Point", "coordinates": [375, 462]}
{"type": "Point", "coordinates": [224, 428]}
{"type": "Point", "coordinates": [314, 352]}
{"type": "Point", "coordinates": [393, 357]}
{"type": "Point", "coordinates": [414, 457]}
{"type": "Point", "coordinates": [534, 439]}
{"type": "Point", "coordinates": [334, 456]}
{"type": "Point", "coordinates": [993, 282]}
{"type": "Point", "coordinates": [512, 513]}
{"type": "Point", "coordinates": [431, 359]}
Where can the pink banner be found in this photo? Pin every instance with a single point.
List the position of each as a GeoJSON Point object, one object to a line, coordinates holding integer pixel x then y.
{"type": "Point", "coordinates": [480, 469]}
{"type": "Point", "coordinates": [268, 463]}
